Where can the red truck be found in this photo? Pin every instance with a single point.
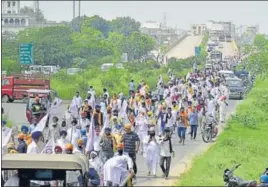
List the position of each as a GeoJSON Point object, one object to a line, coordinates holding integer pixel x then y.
{"type": "Point", "coordinates": [15, 87]}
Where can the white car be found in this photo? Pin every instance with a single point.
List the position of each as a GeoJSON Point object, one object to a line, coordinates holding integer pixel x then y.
{"type": "Point", "coordinates": [73, 71]}
{"type": "Point", "coordinates": [227, 74]}
{"type": "Point", "coordinates": [107, 66]}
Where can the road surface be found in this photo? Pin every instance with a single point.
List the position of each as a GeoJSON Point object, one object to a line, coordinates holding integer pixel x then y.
{"type": "Point", "coordinates": [228, 49]}
{"type": "Point", "coordinates": [185, 48]}
{"type": "Point", "coordinates": [16, 113]}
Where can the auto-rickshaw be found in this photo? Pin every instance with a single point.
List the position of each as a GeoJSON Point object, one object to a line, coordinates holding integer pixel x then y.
{"type": "Point", "coordinates": [40, 169]}
{"type": "Point", "coordinates": [45, 97]}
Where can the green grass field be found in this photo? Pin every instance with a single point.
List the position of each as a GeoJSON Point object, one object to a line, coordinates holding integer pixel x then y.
{"type": "Point", "coordinates": [244, 141]}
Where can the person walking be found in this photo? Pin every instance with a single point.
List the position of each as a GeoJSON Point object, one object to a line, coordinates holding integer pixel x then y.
{"type": "Point", "coordinates": [181, 123]}
{"type": "Point", "coordinates": [193, 119]}
{"type": "Point", "coordinates": [131, 142]}
{"type": "Point", "coordinates": [165, 152]}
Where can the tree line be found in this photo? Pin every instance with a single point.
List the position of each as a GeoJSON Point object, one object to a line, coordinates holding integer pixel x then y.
{"type": "Point", "coordinates": [82, 42]}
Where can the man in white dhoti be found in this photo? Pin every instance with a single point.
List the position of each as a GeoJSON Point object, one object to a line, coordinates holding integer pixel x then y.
{"type": "Point", "coordinates": [118, 168]}
{"type": "Point", "coordinates": [151, 151]}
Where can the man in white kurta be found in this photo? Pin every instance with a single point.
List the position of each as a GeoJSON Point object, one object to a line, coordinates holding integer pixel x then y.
{"type": "Point", "coordinates": [222, 103]}
{"type": "Point", "coordinates": [62, 141]}
{"type": "Point", "coordinates": [96, 163]}
{"type": "Point", "coordinates": [73, 135]}
{"type": "Point", "coordinates": [141, 128]}
{"type": "Point", "coordinates": [36, 140]}
{"type": "Point", "coordinates": [211, 107]}
{"type": "Point", "coordinates": [117, 168]}
{"type": "Point", "coordinates": [151, 151]}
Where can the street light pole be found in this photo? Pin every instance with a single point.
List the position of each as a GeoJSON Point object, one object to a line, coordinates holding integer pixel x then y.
{"type": "Point", "coordinates": [73, 9]}
{"type": "Point", "coordinates": [79, 8]}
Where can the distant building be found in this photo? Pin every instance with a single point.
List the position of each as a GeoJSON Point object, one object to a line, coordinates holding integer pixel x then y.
{"type": "Point", "coordinates": [198, 29]}
{"type": "Point", "coordinates": [161, 34]}
{"type": "Point", "coordinates": [14, 21]}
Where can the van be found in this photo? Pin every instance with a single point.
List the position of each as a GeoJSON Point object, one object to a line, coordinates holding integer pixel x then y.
{"type": "Point", "coordinates": [107, 66]}
{"type": "Point", "coordinates": [73, 71]}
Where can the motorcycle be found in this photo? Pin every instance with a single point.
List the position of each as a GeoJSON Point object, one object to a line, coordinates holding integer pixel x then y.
{"type": "Point", "coordinates": [209, 130]}
{"type": "Point", "coordinates": [264, 179]}
{"type": "Point", "coordinates": [234, 181]}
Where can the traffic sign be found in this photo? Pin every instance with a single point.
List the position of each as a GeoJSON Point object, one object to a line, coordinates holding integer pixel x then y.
{"type": "Point", "coordinates": [197, 51]}
{"type": "Point", "coordinates": [26, 54]}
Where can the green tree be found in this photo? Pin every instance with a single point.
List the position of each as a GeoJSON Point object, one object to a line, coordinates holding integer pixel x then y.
{"type": "Point", "coordinates": [51, 44]}
{"type": "Point", "coordinates": [10, 65]}
{"type": "Point", "coordinates": [125, 25]}
{"type": "Point", "coordinates": [90, 43]}
{"type": "Point", "coordinates": [98, 23]}
{"type": "Point", "coordinates": [140, 45]}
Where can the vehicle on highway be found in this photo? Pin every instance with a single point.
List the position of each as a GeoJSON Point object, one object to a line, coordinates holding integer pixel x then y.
{"type": "Point", "coordinates": [221, 38]}
{"type": "Point", "coordinates": [50, 69]}
{"type": "Point", "coordinates": [46, 97]}
{"type": "Point", "coordinates": [208, 66]}
{"type": "Point", "coordinates": [35, 169]}
{"type": "Point", "coordinates": [226, 73]}
{"type": "Point", "coordinates": [73, 71]}
{"type": "Point", "coordinates": [107, 66]}
{"type": "Point", "coordinates": [220, 46]}
{"type": "Point", "coordinates": [234, 181]}
{"type": "Point", "coordinates": [228, 38]}
{"type": "Point", "coordinates": [235, 87]}
{"type": "Point", "coordinates": [15, 87]}
{"type": "Point", "coordinates": [216, 56]}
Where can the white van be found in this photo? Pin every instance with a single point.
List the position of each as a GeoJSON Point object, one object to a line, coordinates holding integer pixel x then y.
{"type": "Point", "coordinates": [73, 71]}
{"type": "Point", "coordinates": [107, 66]}
{"type": "Point", "coordinates": [227, 74]}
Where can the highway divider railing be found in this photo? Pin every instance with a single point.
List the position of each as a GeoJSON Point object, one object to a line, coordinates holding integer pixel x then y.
{"type": "Point", "coordinates": [176, 42]}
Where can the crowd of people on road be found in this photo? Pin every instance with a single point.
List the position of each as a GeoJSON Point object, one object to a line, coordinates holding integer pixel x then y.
{"type": "Point", "coordinates": [112, 130]}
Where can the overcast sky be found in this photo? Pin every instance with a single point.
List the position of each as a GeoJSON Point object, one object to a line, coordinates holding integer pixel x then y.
{"type": "Point", "coordinates": [178, 13]}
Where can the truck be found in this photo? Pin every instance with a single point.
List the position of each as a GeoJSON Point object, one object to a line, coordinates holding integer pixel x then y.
{"type": "Point", "coordinates": [15, 87]}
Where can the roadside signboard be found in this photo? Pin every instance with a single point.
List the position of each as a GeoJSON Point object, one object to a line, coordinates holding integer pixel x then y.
{"type": "Point", "coordinates": [197, 51]}
{"type": "Point", "coordinates": [26, 54]}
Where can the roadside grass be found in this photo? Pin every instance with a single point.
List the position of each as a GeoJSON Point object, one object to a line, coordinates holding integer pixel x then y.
{"type": "Point", "coordinates": [244, 141]}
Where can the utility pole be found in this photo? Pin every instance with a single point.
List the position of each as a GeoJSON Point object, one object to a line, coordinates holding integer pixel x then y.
{"type": "Point", "coordinates": [79, 12]}
{"type": "Point", "coordinates": [79, 8]}
{"type": "Point", "coordinates": [73, 9]}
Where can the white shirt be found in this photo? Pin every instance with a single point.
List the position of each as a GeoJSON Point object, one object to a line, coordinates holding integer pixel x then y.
{"type": "Point", "coordinates": [84, 122]}
{"type": "Point", "coordinates": [164, 148]}
{"type": "Point", "coordinates": [78, 101]}
{"type": "Point", "coordinates": [33, 148]}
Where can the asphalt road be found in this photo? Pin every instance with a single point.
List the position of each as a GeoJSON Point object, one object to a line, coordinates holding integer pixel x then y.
{"type": "Point", "coordinates": [185, 48]}
{"type": "Point", "coordinates": [16, 113]}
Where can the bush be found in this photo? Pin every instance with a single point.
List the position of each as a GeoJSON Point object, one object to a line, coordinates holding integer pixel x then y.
{"type": "Point", "coordinates": [115, 80]}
